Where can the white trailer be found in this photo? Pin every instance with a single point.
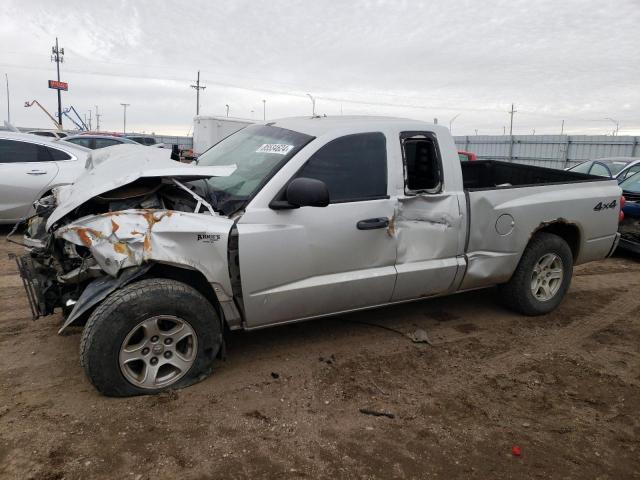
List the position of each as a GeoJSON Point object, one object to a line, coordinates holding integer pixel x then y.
{"type": "Point", "coordinates": [208, 131]}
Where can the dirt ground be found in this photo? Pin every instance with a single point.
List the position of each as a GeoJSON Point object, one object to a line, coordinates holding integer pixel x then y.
{"type": "Point", "coordinates": [286, 403]}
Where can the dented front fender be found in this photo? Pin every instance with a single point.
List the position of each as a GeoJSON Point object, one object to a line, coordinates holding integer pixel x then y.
{"type": "Point", "coordinates": [118, 240]}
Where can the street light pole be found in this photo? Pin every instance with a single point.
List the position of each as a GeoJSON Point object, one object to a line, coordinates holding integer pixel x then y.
{"type": "Point", "coordinates": [313, 104]}
{"type": "Point", "coordinates": [617, 124]}
{"type": "Point", "coordinates": [451, 123]}
{"type": "Point", "coordinates": [124, 125]}
{"type": "Point", "coordinates": [8, 108]}
{"type": "Point", "coordinates": [227, 106]}
{"type": "Point", "coordinates": [264, 109]}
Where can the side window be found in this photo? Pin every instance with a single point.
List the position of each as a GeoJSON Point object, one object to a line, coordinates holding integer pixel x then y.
{"type": "Point", "coordinates": [600, 169]}
{"type": "Point", "coordinates": [58, 154]}
{"type": "Point", "coordinates": [353, 167]}
{"type": "Point", "coordinates": [61, 135]}
{"type": "Point", "coordinates": [105, 142]}
{"type": "Point", "coordinates": [421, 163]}
{"type": "Point", "coordinates": [83, 142]}
{"type": "Point", "coordinates": [12, 151]}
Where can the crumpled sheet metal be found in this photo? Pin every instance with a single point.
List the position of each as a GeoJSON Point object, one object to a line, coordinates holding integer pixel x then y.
{"type": "Point", "coordinates": [113, 167]}
{"type": "Point", "coordinates": [416, 217]}
{"type": "Point", "coordinates": [119, 240]}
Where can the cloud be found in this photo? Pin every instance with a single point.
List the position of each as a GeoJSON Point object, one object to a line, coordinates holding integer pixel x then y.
{"type": "Point", "coordinates": [571, 60]}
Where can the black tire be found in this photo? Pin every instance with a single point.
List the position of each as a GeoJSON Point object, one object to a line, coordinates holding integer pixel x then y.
{"type": "Point", "coordinates": [517, 292]}
{"type": "Point", "coordinates": [117, 316]}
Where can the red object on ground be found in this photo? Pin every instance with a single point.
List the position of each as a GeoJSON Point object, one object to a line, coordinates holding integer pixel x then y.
{"type": "Point", "coordinates": [517, 452]}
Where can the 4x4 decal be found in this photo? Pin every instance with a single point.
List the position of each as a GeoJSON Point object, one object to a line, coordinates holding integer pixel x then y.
{"type": "Point", "coordinates": [605, 206]}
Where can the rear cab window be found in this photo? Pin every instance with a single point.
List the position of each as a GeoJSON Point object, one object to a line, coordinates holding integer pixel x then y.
{"type": "Point", "coordinates": [422, 163]}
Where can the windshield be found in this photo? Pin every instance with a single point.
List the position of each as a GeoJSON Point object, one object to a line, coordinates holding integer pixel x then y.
{"type": "Point", "coordinates": [614, 166]}
{"type": "Point", "coordinates": [257, 151]}
{"type": "Point", "coordinates": [582, 167]}
{"type": "Point", "coordinates": [632, 184]}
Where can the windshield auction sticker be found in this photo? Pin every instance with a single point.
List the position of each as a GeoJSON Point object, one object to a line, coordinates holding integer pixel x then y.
{"type": "Point", "coordinates": [279, 148]}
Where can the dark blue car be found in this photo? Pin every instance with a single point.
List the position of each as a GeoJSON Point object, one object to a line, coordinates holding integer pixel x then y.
{"type": "Point", "coordinates": [630, 227]}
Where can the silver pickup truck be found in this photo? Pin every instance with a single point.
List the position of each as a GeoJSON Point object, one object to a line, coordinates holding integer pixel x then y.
{"type": "Point", "coordinates": [292, 220]}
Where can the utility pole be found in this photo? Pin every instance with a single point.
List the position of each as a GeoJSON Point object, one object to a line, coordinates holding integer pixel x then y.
{"type": "Point", "coordinates": [562, 128]}
{"type": "Point", "coordinates": [198, 87]}
{"type": "Point", "coordinates": [8, 108]}
{"type": "Point", "coordinates": [97, 119]}
{"type": "Point", "coordinates": [313, 104]}
{"type": "Point", "coordinates": [124, 126]}
{"type": "Point", "coordinates": [57, 55]}
{"type": "Point", "coordinates": [264, 109]}
{"type": "Point", "coordinates": [476, 132]}
{"type": "Point", "coordinates": [90, 124]}
{"type": "Point", "coordinates": [227, 107]}
{"type": "Point", "coordinates": [511, 124]}
{"type": "Point", "coordinates": [504, 130]}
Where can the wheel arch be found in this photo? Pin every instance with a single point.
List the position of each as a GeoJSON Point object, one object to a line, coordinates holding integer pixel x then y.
{"type": "Point", "coordinates": [189, 276]}
{"type": "Point", "coordinates": [569, 232]}
{"type": "Point", "coordinates": [224, 306]}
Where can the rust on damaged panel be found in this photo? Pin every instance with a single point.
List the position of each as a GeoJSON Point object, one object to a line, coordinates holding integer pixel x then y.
{"type": "Point", "coordinates": [84, 235]}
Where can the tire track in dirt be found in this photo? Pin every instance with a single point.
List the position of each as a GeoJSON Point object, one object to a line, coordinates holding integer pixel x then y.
{"type": "Point", "coordinates": [566, 339]}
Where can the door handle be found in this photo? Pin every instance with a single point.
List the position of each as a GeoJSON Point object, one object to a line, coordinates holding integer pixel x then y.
{"type": "Point", "coordinates": [373, 223]}
{"type": "Point", "coordinates": [37, 172]}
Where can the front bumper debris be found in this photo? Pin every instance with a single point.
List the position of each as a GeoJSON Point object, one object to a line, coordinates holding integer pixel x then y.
{"type": "Point", "coordinates": [32, 285]}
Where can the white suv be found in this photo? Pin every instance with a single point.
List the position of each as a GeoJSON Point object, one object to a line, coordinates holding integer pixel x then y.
{"type": "Point", "coordinates": [30, 166]}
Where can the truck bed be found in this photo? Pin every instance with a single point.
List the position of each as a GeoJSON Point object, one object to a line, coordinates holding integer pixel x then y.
{"type": "Point", "coordinates": [507, 203]}
{"type": "Point", "coordinates": [489, 174]}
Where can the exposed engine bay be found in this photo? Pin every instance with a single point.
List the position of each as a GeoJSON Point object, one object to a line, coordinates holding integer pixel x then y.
{"type": "Point", "coordinates": [58, 269]}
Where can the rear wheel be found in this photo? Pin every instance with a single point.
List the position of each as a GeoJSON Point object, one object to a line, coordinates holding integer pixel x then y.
{"type": "Point", "coordinates": [149, 336]}
{"type": "Point", "coordinates": [542, 277]}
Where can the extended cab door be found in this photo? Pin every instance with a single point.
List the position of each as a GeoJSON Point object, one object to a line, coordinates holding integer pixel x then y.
{"type": "Point", "coordinates": [310, 261]}
{"type": "Point", "coordinates": [428, 223]}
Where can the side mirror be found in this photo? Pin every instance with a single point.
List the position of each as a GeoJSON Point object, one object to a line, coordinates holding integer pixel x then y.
{"type": "Point", "coordinates": [307, 192]}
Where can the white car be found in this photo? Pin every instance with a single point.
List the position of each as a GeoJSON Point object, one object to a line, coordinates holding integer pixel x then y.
{"type": "Point", "coordinates": [619, 168]}
{"type": "Point", "coordinates": [30, 166]}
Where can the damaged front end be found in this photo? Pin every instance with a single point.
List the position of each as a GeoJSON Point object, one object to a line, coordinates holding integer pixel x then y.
{"type": "Point", "coordinates": [47, 269]}
{"type": "Point", "coordinates": [80, 250]}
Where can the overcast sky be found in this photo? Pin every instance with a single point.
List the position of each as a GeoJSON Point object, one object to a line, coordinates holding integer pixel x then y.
{"type": "Point", "coordinates": [571, 60]}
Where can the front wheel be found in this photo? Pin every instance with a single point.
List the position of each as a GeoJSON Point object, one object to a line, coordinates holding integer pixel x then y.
{"type": "Point", "coordinates": [542, 277]}
{"type": "Point", "coordinates": [149, 336]}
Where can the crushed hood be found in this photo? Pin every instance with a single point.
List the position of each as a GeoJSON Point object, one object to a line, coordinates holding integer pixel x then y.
{"type": "Point", "coordinates": [113, 167]}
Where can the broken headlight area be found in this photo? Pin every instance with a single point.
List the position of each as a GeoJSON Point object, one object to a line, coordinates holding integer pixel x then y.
{"type": "Point", "coordinates": [87, 243]}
